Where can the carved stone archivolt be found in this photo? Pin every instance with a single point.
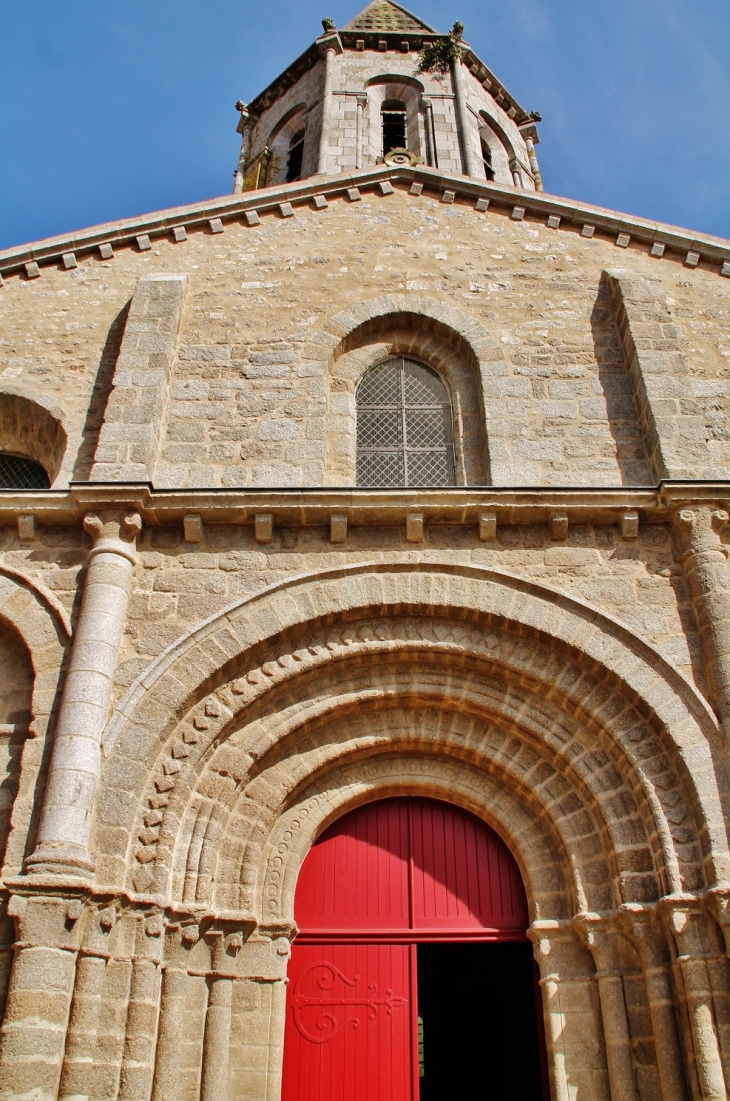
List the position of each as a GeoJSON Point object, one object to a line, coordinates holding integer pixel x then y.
{"type": "Point", "coordinates": [291, 707]}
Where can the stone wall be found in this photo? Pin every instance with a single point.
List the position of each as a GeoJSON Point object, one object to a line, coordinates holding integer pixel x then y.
{"type": "Point", "coordinates": [253, 647]}
{"type": "Point", "coordinates": [251, 383]}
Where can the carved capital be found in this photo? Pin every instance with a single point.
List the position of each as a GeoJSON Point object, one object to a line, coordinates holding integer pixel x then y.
{"type": "Point", "coordinates": [113, 525]}
{"type": "Point", "coordinates": [113, 532]}
{"type": "Point", "coordinates": [687, 924]}
{"type": "Point", "coordinates": [698, 529]}
{"type": "Point", "coordinates": [599, 937]}
{"type": "Point", "coordinates": [639, 923]}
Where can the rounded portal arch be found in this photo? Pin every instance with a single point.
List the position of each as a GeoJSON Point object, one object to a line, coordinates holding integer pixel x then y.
{"type": "Point", "coordinates": [483, 674]}
{"type": "Point", "coordinates": [593, 759]}
{"type": "Point", "coordinates": [534, 845]}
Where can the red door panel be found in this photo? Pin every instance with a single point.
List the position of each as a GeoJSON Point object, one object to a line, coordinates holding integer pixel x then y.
{"type": "Point", "coordinates": [356, 875]}
{"type": "Point", "coordinates": [464, 878]}
{"type": "Point", "coordinates": [402, 864]}
{"type": "Point", "coordinates": [348, 1023]}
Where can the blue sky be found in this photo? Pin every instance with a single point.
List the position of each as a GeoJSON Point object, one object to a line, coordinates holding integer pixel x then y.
{"type": "Point", "coordinates": [117, 108]}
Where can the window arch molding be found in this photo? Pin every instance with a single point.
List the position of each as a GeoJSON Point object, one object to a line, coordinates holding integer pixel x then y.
{"type": "Point", "coordinates": [426, 339]}
{"type": "Point", "coordinates": [395, 89]}
{"type": "Point", "coordinates": [404, 426]}
{"type": "Point", "coordinates": [281, 141]}
{"type": "Point", "coordinates": [31, 429]}
{"type": "Point", "coordinates": [500, 147]}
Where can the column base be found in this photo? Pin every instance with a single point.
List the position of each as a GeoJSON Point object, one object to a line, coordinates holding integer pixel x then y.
{"type": "Point", "coordinates": [49, 860]}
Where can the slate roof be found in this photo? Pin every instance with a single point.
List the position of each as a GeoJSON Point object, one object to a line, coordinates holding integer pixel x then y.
{"type": "Point", "coordinates": [384, 15]}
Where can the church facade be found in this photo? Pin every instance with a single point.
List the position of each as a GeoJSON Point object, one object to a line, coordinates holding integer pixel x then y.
{"type": "Point", "coordinates": [390, 486]}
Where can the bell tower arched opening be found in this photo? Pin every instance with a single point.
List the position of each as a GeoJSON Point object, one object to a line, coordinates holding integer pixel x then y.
{"type": "Point", "coordinates": [412, 977]}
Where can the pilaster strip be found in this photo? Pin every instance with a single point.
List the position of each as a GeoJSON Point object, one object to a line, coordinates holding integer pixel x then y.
{"type": "Point", "coordinates": [130, 435]}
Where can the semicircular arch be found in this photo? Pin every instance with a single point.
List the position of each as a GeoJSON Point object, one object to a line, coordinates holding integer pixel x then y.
{"type": "Point", "coordinates": [613, 680]}
{"type": "Point", "coordinates": [447, 339]}
{"type": "Point", "coordinates": [33, 427]}
{"type": "Point", "coordinates": [543, 866]}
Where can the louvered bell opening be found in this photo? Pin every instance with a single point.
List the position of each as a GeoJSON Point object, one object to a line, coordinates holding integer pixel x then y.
{"type": "Point", "coordinates": [17, 472]}
{"type": "Point", "coordinates": [394, 126]}
{"type": "Point", "coordinates": [404, 427]}
{"type": "Point", "coordinates": [295, 159]}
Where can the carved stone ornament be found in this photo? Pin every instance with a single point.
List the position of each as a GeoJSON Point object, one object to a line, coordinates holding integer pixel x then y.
{"type": "Point", "coordinates": [400, 157]}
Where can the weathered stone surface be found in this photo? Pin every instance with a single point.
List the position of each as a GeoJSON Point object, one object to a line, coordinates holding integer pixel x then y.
{"type": "Point", "coordinates": [215, 642]}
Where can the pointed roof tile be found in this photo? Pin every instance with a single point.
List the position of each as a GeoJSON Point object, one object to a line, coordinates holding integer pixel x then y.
{"type": "Point", "coordinates": [384, 15]}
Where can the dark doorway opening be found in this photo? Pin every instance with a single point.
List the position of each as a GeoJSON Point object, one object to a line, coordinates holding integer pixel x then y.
{"type": "Point", "coordinates": [478, 1033]}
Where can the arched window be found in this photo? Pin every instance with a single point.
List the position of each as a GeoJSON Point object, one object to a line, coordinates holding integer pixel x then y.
{"type": "Point", "coordinates": [487, 160]}
{"type": "Point", "coordinates": [404, 427]}
{"type": "Point", "coordinates": [394, 125]}
{"type": "Point", "coordinates": [17, 472]}
{"type": "Point", "coordinates": [294, 160]}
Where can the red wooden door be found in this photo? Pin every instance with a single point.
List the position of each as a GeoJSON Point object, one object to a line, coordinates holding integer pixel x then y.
{"type": "Point", "coordinates": [349, 1027]}
{"type": "Point", "coordinates": [379, 880]}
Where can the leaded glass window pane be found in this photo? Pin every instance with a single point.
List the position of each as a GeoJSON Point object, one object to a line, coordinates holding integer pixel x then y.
{"type": "Point", "coordinates": [17, 472]}
{"type": "Point", "coordinates": [404, 427]}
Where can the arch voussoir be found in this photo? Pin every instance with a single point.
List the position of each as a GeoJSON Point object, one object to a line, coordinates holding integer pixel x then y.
{"type": "Point", "coordinates": [572, 671]}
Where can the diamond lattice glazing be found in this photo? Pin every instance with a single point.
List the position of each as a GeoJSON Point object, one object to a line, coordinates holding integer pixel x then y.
{"type": "Point", "coordinates": [17, 472]}
{"type": "Point", "coordinates": [403, 427]}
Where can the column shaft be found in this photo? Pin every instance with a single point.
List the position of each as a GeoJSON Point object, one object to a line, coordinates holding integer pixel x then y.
{"type": "Point", "coordinates": [138, 1059]}
{"type": "Point", "coordinates": [702, 1024]}
{"type": "Point", "coordinates": [554, 1028]}
{"type": "Point", "coordinates": [704, 563]}
{"type": "Point", "coordinates": [430, 129]}
{"type": "Point", "coordinates": [217, 1039]}
{"type": "Point", "coordinates": [243, 156]}
{"type": "Point", "coordinates": [471, 168]}
{"type": "Point", "coordinates": [63, 834]}
{"type": "Point", "coordinates": [79, 1062]}
{"type": "Point", "coordinates": [660, 996]}
{"type": "Point", "coordinates": [534, 166]}
{"type": "Point", "coordinates": [692, 931]}
{"type": "Point", "coordinates": [601, 940]}
{"type": "Point", "coordinates": [572, 1015]}
{"type": "Point", "coordinates": [170, 1035]}
{"type": "Point", "coordinates": [651, 945]}
{"type": "Point", "coordinates": [32, 1042]}
{"type": "Point", "coordinates": [329, 79]}
{"type": "Point", "coordinates": [618, 1041]}
{"type": "Point", "coordinates": [361, 101]}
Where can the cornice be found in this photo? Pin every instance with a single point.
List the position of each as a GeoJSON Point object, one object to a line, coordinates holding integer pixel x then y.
{"type": "Point", "coordinates": [285, 80]}
{"type": "Point", "coordinates": [314, 507]}
{"type": "Point", "coordinates": [673, 242]}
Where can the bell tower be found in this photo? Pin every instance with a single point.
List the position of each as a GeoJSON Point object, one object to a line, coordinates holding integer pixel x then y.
{"type": "Point", "coordinates": [387, 88]}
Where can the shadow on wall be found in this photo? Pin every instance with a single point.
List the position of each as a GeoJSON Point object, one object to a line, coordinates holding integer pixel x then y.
{"type": "Point", "coordinates": [618, 391]}
{"type": "Point", "coordinates": [96, 412]}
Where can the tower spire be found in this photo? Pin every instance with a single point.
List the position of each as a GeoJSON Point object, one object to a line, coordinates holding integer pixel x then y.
{"type": "Point", "coordinates": [384, 15]}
